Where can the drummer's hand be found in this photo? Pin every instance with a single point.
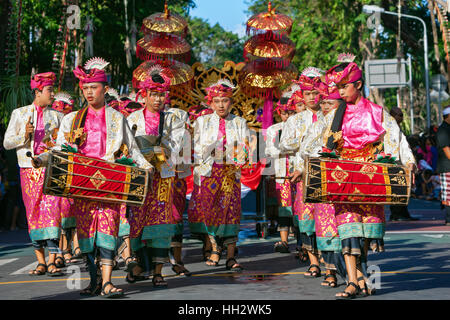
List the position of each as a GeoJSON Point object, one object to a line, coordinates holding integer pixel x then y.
{"type": "Point", "coordinates": [29, 129]}
{"type": "Point", "coordinates": [296, 176]}
{"type": "Point", "coordinates": [36, 162]}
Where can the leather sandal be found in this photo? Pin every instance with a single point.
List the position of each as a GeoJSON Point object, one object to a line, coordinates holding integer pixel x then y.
{"type": "Point", "coordinates": [348, 295]}
{"type": "Point", "coordinates": [111, 293]}
{"type": "Point", "coordinates": [61, 264]}
{"type": "Point", "coordinates": [37, 272]}
{"type": "Point", "coordinates": [92, 290]}
{"type": "Point", "coordinates": [313, 274]}
{"type": "Point", "coordinates": [329, 284]}
{"type": "Point", "coordinates": [232, 266]}
{"type": "Point", "coordinates": [215, 263]}
{"type": "Point", "coordinates": [282, 247]}
{"type": "Point", "coordinates": [77, 255]}
{"type": "Point", "coordinates": [365, 291]}
{"type": "Point", "coordinates": [55, 272]}
{"type": "Point", "coordinates": [183, 271]}
{"type": "Point", "coordinates": [159, 283]}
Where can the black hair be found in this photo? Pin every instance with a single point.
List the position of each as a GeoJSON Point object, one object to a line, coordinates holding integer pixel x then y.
{"type": "Point", "coordinates": [109, 98]}
{"type": "Point", "coordinates": [157, 78]}
{"type": "Point", "coordinates": [134, 105]}
{"type": "Point", "coordinates": [341, 67]}
{"type": "Point", "coordinates": [284, 100]}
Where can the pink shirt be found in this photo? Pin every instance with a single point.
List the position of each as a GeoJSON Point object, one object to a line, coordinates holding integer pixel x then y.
{"type": "Point", "coordinates": [362, 124]}
{"type": "Point", "coordinates": [95, 129]}
{"type": "Point", "coordinates": [39, 131]}
{"type": "Point", "coordinates": [222, 132]}
{"type": "Point", "coordinates": [151, 122]}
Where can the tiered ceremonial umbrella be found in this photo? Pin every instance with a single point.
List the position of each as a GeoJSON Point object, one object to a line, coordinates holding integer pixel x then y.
{"type": "Point", "coordinates": [268, 54]}
{"type": "Point", "coordinates": [164, 44]}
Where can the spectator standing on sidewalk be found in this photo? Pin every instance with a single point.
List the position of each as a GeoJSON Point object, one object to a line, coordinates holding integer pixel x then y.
{"type": "Point", "coordinates": [399, 212]}
{"type": "Point", "coordinates": [443, 165]}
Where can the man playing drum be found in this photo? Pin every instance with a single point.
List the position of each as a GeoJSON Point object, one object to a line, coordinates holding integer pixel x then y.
{"type": "Point", "coordinates": [97, 131]}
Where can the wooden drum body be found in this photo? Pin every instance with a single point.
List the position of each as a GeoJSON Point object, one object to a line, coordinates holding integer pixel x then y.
{"type": "Point", "coordinates": [328, 180]}
{"type": "Point", "coordinates": [73, 175]}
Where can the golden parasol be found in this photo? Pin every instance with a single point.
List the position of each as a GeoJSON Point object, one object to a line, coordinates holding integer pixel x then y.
{"type": "Point", "coordinates": [179, 73]}
{"type": "Point", "coordinates": [269, 22]}
{"type": "Point", "coordinates": [166, 22]}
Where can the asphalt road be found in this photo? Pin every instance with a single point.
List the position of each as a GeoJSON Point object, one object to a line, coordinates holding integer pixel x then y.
{"type": "Point", "coordinates": [416, 265]}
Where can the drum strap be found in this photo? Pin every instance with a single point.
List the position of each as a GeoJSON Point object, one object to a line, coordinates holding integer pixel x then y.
{"type": "Point", "coordinates": [336, 125]}
{"type": "Point", "coordinates": [78, 122]}
{"type": "Point", "coordinates": [160, 127]}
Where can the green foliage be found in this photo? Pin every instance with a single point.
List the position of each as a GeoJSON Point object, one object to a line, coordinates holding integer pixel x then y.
{"type": "Point", "coordinates": [212, 45]}
{"type": "Point", "coordinates": [15, 92]}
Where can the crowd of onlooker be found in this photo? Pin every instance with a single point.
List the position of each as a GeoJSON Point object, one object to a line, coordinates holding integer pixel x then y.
{"type": "Point", "coordinates": [427, 184]}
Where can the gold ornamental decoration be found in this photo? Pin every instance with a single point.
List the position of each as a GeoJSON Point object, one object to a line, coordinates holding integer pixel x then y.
{"type": "Point", "coordinates": [269, 21]}
{"type": "Point", "coordinates": [243, 105]}
{"type": "Point", "coordinates": [179, 73]}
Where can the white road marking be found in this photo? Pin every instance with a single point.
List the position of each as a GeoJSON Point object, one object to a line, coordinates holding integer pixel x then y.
{"type": "Point", "coordinates": [26, 269]}
{"type": "Point", "coordinates": [6, 261]}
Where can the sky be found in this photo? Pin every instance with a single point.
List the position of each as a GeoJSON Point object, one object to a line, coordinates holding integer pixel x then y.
{"type": "Point", "coordinates": [228, 13]}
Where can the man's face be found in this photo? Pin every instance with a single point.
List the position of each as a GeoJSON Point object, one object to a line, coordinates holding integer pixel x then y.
{"type": "Point", "coordinates": [328, 105]}
{"type": "Point", "coordinates": [349, 92]}
{"type": "Point", "coordinates": [155, 100]}
{"type": "Point", "coordinates": [46, 96]}
{"type": "Point", "coordinates": [398, 116]}
{"type": "Point", "coordinates": [94, 93]}
{"type": "Point", "coordinates": [310, 97]}
{"type": "Point", "coordinates": [221, 105]}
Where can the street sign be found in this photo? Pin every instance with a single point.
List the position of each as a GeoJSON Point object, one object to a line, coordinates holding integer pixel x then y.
{"type": "Point", "coordinates": [385, 73]}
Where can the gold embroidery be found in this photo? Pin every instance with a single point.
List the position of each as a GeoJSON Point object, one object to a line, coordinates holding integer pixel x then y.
{"type": "Point", "coordinates": [95, 180]}
{"type": "Point", "coordinates": [164, 189]}
{"type": "Point", "coordinates": [339, 175]}
{"type": "Point", "coordinates": [356, 198]}
{"type": "Point", "coordinates": [369, 170]}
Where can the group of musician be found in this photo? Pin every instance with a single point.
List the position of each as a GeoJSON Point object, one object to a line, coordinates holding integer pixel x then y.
{"type": "Point", "coordinates": [322, 112]}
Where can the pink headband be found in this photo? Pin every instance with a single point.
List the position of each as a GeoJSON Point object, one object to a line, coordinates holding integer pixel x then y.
{"type": "Point", "coordinates": [218, 91]}
{"type": "Point", "coordinates": [94, 75]}
{"type": "Point", "coordinates": [284, 107]}
{"type": "Point", "coordinates": [40, 80]}
{"type": "Point", "coordinates": [350, 74]}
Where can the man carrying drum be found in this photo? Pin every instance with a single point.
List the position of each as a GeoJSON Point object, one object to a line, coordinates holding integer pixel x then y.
{"type": "Point", "coordinates": [358, 130]}
{"type": "Point", "coordinates": [97, 131]}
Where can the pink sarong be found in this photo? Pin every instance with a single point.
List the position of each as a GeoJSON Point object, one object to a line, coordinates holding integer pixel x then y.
{"type": "Point", "coordinates": [43, 211]}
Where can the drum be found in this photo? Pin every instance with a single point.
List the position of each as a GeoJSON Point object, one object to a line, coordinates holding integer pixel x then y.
{"type": "Point", "coordinates": [73, 175]}
{"type": "Point", "coordinates": [329, 180]}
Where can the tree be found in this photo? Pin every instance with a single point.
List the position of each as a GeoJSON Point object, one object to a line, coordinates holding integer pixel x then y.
{"type": "Point", "coordinates": [212, 45]}
{"type": "Point", "coordinates": [323, 29]}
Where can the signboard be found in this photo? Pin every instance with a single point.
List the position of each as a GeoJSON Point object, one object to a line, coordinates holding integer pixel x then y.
{"type": "Point", "coordinates": [385, 73]}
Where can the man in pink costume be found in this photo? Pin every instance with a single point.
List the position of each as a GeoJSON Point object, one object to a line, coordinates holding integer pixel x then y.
{"type": "Point", "coordinates": [26, 133]}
